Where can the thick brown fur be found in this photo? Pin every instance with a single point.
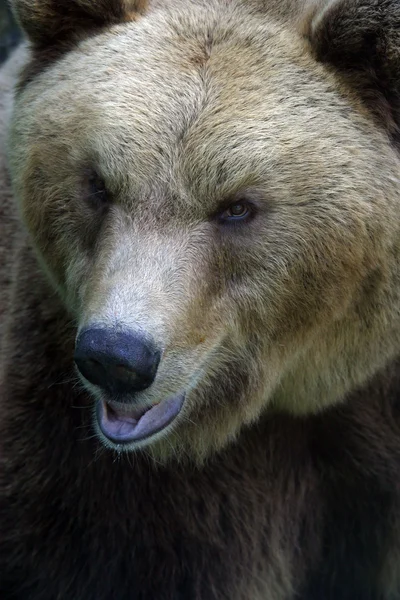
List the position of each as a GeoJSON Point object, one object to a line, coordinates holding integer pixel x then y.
{"type": "Point", "coordinates": [53, 21]}
{"type": "Point", "coordinates": [361, 40]}
{"type": "Point", "coordinates": [279, 480]}
{"type": "Point", "coordinates": [56, 26]}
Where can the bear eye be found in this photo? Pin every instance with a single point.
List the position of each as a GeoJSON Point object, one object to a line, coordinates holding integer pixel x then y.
{"type": "Point", "coordinates": [97, 193]}
{"type": "Point", "coordinates": [237, 211]}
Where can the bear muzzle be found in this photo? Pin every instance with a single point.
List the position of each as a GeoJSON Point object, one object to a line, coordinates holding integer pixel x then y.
{"type": "Point", "coordinates": [122, 363]}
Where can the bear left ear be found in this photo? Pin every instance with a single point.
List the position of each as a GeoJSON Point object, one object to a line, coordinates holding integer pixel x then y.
{"type": "Point", "coordinates": [361, 40]}
{"type": "Point", "coordinates": [50, 22]}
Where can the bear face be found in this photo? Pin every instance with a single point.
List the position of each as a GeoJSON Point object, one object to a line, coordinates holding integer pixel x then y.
{"type": "Point", "coordinates": [199, 179]}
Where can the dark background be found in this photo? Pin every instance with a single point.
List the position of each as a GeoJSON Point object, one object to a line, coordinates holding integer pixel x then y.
{"type": "Point", "coordinates": [9, 34]}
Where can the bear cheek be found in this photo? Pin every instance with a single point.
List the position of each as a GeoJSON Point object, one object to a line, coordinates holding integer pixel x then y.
{"type": "Point", "coordinates": [321, 289]}
{"type": "Point", "coordinates": [303, 287]}
{"type": "Point", "coordinates": [61, 236]}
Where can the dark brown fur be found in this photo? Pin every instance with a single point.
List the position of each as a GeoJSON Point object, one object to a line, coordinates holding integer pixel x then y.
{"type": "Point", "coordinates": [68, 22]}
{"type": "Point", "coordinates": [315, 493]}
{"type": "Point", "coordinates": [361, 40]}
{"type": "Point", "coordinates": [54, 21]}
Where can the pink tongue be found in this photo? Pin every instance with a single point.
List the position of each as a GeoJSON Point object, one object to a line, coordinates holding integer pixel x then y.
{"type": "Point", "coordinates": [124, 427]}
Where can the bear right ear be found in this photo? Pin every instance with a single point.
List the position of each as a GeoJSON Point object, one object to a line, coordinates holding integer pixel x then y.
{"type": "Point", "coordinates": [360, 39]}
{"type": "Point", "coordinates": [48, 22]}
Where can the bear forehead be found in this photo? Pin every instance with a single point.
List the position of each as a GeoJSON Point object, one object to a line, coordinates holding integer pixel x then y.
{"type": "Point", "coordinates": [197, 81]}
{"type": "Point", "coordinates": [170, 63]}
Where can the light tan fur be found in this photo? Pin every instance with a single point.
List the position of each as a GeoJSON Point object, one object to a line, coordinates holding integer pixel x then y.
{"type": "Point", "coordinates": [180, 112]}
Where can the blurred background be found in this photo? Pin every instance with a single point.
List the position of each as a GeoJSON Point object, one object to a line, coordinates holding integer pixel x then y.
{"type": "Point", "coordinates": [9, 33]}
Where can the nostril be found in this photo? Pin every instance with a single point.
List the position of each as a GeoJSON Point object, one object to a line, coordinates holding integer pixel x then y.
{"type": "Point", "coordinates": [124, 371]}
{"type": "Point", "coordinates": [93, 363]}
{"type": "Point", "coordinates": [119, 362]}
{"type": "Point", "coordinates": [123, 374]}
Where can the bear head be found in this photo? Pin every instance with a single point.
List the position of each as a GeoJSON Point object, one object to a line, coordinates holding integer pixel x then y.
{"type": "Point", "coordinates": [213, 189]}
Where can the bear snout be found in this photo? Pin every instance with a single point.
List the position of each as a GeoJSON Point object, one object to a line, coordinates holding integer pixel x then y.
{"type": "Point", "coordinates": [119, 362]}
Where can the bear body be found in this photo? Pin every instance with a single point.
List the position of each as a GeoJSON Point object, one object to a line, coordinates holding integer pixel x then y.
{"type": "Point", "coordinates": [218, 184]}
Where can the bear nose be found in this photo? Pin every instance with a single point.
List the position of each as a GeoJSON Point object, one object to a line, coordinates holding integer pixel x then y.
{"type": "Point", "coordinates": [119, 362]}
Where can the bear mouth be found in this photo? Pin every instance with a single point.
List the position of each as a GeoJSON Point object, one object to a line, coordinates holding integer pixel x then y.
{"type": "Point", "coordinates": [133, 424]}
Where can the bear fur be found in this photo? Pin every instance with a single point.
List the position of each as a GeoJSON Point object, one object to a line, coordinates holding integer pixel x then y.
{"type": "Point", "coordinates": [279, 478]}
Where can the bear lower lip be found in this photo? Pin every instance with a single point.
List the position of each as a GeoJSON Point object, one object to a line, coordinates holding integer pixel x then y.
{"type": "Point", "coordinates": [122, 427]}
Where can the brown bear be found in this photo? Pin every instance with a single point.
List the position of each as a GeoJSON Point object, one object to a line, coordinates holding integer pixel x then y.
{"type": "Point", "coordinates": [200, 296]}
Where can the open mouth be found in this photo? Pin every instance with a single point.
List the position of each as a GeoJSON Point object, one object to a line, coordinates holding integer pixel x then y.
{"type": "Point", "coordinates": [133, 424]}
